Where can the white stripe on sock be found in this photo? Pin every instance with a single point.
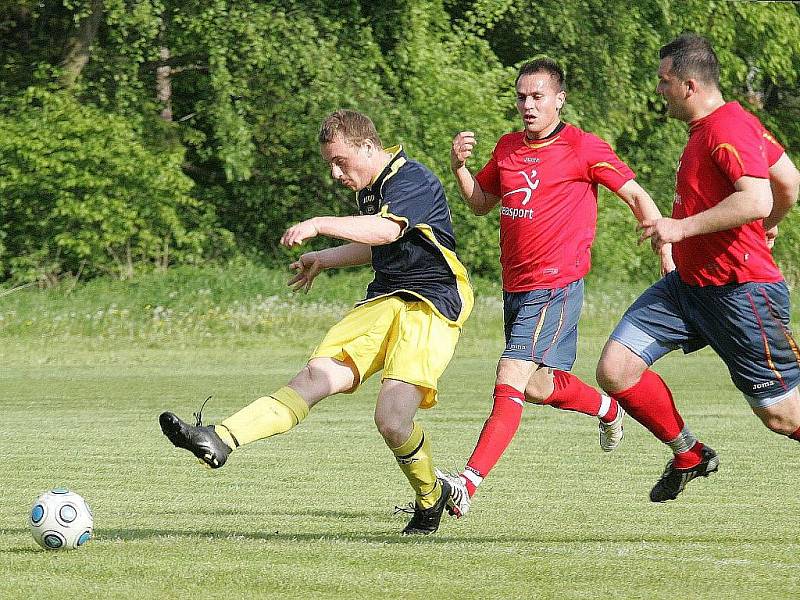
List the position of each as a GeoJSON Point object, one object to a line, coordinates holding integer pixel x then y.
{"type": "Point", "coordinates": [472, 476]}
{"type": "Point", "coordinates": [605, 404]}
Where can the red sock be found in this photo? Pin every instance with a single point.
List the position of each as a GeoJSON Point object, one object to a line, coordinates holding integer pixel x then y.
{"type": "Point", "coordinates": [570, 393]}
{"type": "Point", "coordinates": [795, 435]}
{"type": "Point", "coordinates": [495, 436]}
{"type": "Point", "coordinates": [650, 402]}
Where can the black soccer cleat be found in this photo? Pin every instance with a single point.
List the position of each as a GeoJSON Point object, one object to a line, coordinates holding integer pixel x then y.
{"type": "Point", "coordinates": [674, 480]}
{"type": "Point", "coordinates": [426, 521]}
{"type": "Point", "coordinates": [201, 440]}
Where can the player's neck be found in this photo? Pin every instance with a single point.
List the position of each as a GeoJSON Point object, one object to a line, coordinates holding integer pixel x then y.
{"type": "Point", "coordinates": [705, 106]}
{"type": "Point", "coordinates": [545, 133]}
{"type": "Point", "coordinates": [380, 162]}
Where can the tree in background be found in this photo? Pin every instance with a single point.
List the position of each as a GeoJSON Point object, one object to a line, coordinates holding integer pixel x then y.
{"type": "Point", "coordinates": [215, 105]}
{"type": "Point", "coordinates": [610, 51]}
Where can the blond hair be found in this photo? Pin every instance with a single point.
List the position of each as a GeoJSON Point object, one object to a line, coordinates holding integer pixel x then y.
{"type": "Point", "coordinates": [354, 128]}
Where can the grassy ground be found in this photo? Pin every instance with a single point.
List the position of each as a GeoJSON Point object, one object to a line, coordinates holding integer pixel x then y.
{"type": "Point", "coordinates": [309, 514]}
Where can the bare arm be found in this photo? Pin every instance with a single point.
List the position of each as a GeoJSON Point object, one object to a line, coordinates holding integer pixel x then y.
{"type": "Point", "coordinates": [365, 229]}
{"type": "Point", "coordinates": [645, 209]}
{"type": "Point", "coordinates": [479, 202]}
{"type": "Point", "coordinates": [348, 255]}
{"type": "Point", "coordinates": [639, 201]}
{"type": "Point", "coordinates": [311, 264]}
{"type": "Point", "coordinates": [784, 179]}
{"type": "Point", "coordinates": [751, 201]}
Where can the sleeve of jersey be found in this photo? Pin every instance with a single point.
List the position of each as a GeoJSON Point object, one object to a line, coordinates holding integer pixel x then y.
{"type": "Point", "coordinates": [407, 202]}
{"type": "Point", "coordinates": [604, 165]}
{"type": "Point", "coordinates": [772, 147]}
{"type": "Point", "coordinates": [489, 177]}
{"type": "Point", "coordinates": [739, 152]}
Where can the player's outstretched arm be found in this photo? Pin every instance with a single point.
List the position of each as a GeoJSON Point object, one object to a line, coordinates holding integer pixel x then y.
{"type": "Point", "coordinates": [639, 201]}
{"type": "Point", "coordinates": [311, 264]}
{"type": "Point", "coordinates": [784, 179]}
{"type": "Point", "coordinates": [645, 209]}
{"type": "Point", "coordinates": [365, 229]}
{"type": "Point", "coordinates": [479, 202]}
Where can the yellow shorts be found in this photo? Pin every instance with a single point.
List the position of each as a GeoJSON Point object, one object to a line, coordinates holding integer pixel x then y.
{"type": "Point", "coordinates": [408, 340]}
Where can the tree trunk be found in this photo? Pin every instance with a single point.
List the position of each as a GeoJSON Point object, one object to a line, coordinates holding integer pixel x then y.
{"type": "Point", "coordinates": [78, 46]}
{"type": "Point", "coordinates": [164, 84]}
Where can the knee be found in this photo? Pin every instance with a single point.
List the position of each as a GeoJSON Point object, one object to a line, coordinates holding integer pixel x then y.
{"type": "Point", "coordinates": [393, 429]}
{"type": "Point", "coordinates": [609, 376]}
{"type": "Point", "coordinates": [779, 424]}
{"type": "Point", "coordinates": [536, 392]}
{"type": "Point", "coordinates": [323, 379]}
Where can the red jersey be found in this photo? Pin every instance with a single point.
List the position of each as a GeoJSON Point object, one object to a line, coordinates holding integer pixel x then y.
{"type": "Point", "coordinates": [724, 146]}
{"type": "Point", "coordinates": [548, 214]}
{"type": "Point", "coordinates": [772, 148]}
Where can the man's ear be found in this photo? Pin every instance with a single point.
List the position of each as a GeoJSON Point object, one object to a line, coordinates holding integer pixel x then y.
{"type": "Point", "coordinates": [691, 87]}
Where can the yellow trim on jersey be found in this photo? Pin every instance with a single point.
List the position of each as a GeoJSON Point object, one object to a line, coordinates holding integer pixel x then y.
{"type": "Point", "coordinates": [732, 149]}
{"type": "Point", "coordinates": [456, 268]}
{"type": "Point", "coordinates": [770, 138]}
{"type": "Point", "coordinates": [607, 166]}
{"type": "Point", "coordinates": [462, 278]}
{"type": "Point", "coordinates": [393, 217]}
{"type": "Point", "coordinates": [535, 146]}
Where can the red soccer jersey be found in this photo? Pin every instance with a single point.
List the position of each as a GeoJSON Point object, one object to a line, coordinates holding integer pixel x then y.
{"type": "Point", "coordinates": [722, 147]}
{"type": "Point", "coordinates": [772, 148]}
{"type": "Point", "coordinates": [548, 214]}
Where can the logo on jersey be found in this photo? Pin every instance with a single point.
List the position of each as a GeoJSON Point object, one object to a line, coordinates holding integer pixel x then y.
{"type": "Point", "coordinates": [516, 213]}
{"type": "Point", "coordinates": [368, 204]}
{"type": "Point", "coordinates": [528, 190]}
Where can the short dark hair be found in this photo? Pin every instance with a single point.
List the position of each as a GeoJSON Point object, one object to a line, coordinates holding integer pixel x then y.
{"type": "Point", "coordinates": [354, 127]}
{"type": "Point", "coordinates": [546, 65]}
{"type": "Point", "coordinates": [692, 56]}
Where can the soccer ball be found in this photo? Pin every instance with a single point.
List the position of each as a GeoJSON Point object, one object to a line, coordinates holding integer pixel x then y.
{"type": "Point", "coordinates": [60, 520]}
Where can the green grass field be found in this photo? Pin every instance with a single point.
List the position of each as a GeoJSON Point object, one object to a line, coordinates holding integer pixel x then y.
{"type": "Point", "coordinates": [309, 514]}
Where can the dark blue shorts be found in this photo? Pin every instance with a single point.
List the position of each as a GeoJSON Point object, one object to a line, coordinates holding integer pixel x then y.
{"type": "Point", "coordinates": [542, 325]}
{"type": "Point", "coordinates": [746, 324]}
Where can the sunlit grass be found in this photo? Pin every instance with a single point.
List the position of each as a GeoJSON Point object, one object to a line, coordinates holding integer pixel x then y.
{"type": "Point", "coordinates": [309, 514]}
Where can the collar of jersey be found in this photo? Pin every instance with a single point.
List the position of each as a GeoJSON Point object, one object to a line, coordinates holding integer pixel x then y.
{"type": "Point", "coordinates": [397, 160]}
{"type": "Point", "coordinates": [546, 141]}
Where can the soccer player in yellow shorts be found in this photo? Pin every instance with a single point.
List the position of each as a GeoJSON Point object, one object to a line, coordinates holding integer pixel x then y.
{"type": "Point", "coordinates": [407, 325]}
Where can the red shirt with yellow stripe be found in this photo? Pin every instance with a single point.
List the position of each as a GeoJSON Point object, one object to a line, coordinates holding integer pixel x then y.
{"type": "Point", "coordinates": [724, 146]}
{"type": "Point", "coordinates": [548, 213]}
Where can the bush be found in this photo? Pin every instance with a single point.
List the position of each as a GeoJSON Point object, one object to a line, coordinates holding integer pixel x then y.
{"type": "Point", "coordinates": [81, 193]}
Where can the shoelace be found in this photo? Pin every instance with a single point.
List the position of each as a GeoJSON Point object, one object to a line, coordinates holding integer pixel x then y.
{"type": "Point", "coordinates": [199, 414]}
{"type": "Point", "coordinates": [407, 509]}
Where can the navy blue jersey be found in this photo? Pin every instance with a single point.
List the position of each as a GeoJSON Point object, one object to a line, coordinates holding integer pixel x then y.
{"type": "Point", "coordinates": [422, 262]}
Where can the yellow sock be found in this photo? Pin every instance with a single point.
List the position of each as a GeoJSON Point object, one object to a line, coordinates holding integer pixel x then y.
{"type": "Point", "coordinates": [264, 417]}
{"type": "Point", "coordinates": [414, 458]}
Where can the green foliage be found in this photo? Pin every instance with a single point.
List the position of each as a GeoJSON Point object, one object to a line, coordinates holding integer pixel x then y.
{"type": "Point", "coordinates": [250, 81]}
{"type": "Point", "coordinates": [80, 192]}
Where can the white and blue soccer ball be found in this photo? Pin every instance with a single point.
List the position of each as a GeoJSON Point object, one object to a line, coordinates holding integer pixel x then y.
{"type": "Point", "coordinates": [61, 520]}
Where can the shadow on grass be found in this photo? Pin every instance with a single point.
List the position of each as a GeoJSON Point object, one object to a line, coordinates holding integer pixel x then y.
{"type": "Point", "coordinates": [445, 536]}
